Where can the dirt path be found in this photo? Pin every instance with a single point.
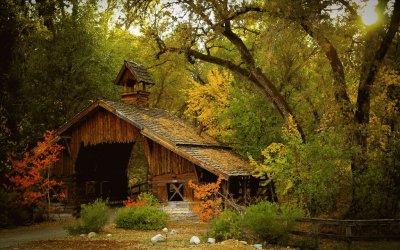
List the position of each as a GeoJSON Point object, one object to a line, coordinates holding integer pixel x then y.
{"type": "Point", "coordinates": [44, 231]}
{"type": "Point", "coordinates": [39, 232]}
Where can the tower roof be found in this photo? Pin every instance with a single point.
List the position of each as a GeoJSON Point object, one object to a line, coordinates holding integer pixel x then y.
{"type": "Point", "coordinates": [137, 71]}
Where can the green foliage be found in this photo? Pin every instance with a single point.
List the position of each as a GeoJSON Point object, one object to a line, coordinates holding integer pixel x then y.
{"type": "Point", "coordinates": [253, 122]}
{"type": "Point", "coordinates": [67, 69]}
{"type": "Point", "coordinates": [226, 226]}
{"type": "Point", "coordinates": [149, 198]}
{"type": "Point", "coordinates": [11, 215]}
{"type": "Point", "coordinates": [94, 217]}
{"type": "Point", "coordinates": [141, 218]}
{"type": "Point", "coordinates": [313, 174]}
{"type": "Point", "coordinates": [270, 221]}
{"type": "Point", "coordinates": [264, 221]}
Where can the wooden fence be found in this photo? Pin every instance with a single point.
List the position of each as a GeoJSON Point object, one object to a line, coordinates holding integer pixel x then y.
{"type": "Point", "coordinates": [349, 230]}
{"type": "Point", "coordinates": [138, 188]}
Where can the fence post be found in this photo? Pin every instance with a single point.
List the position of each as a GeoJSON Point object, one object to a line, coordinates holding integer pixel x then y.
{"type": "Point", "coordinates": [314, 229]}
{"type": "Point", "coordinates": [348, 236]}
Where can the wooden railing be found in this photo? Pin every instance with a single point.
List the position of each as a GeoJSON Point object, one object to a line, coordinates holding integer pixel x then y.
{"type": "Point", "coordinates": [348, 226]}
{"type": "Point", "coordinates": [138, 188]}
{"type": "Point", "coordinates": [229, 203]}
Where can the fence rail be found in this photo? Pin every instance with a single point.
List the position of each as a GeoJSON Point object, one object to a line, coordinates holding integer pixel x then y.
{"type": "Point", "coordinates": [347, 227]}
{"type": "Point", "coordinates": [138, 188]}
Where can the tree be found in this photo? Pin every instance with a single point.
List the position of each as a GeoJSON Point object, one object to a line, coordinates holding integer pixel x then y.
{"type": "Point", "coordinates": [30, 176]}
{"type": "Point", "coordinates": [200, 30]}
{"type": "Point", "coordinates": [227, 33]}
{"type": "Point", "coordinates": [206, 102]}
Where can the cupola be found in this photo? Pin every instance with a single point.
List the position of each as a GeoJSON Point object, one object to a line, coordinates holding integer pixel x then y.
{"type": "Point", "coordinates": [135, 79]}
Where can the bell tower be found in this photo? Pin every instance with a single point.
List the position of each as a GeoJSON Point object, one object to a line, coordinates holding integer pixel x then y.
{"type": "Point", "coordinates": [135, 79]}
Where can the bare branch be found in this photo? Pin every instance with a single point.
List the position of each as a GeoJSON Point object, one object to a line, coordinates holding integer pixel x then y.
{"type": "Point", "coordinates": [348, 7]}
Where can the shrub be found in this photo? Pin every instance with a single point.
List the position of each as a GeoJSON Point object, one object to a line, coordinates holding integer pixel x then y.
{"type": "Point", "coordinates": [94, 217]}
{"type": "Point", "coordinates": [148, 198]}
{"type": "Point", "coordinates": [208, 196]}
{"type": "Point", "coordinates": [11, 215]}
{"type": "Point", "coordinates": [270, 221]}
{"type": "Point", "coordinates": [130, 203]}
{"type": "Point", "coordinates": [226, 226]}
{"type": "Point", "coordinates": [142, 218]}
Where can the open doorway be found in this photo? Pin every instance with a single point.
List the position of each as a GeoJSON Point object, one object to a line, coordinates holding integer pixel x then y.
{"type": "Point", "coordinates": [101, 171]}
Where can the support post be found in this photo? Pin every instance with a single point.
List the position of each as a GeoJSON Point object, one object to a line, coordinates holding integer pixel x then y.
{"type": "Point", "coordinates": [315, 229]}
{"type": "Point", "coordinates": [348, 236]}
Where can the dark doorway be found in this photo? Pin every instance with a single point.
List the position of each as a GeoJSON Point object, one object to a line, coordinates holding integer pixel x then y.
{"type": "Point", "coordinates": [101, 171]}
{"type": "Point", "coordinates": [175, 191]}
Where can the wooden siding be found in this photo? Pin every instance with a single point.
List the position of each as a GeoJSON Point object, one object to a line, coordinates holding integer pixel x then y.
{"type": "Point", "coordinates": [168, 167]}
{"type": "Point", "coordinates": [105, 127]}
{"type": "Point", "coordinates": [167, 162]}
{"type": "Point", "coordinates": [99, 127]}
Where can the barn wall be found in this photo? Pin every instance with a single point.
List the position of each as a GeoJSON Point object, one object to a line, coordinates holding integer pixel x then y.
{"type": "Point", "coordinates": [168, 167]}
{"type": "Point", "coordinates": [100, 127]}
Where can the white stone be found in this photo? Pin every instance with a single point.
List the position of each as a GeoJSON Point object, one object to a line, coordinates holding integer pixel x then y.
{"type": "Point", "coordinates": [173, 231]}
{"type": "Point", "coordinates": [243, 242]}
{"type": "Point", "coordinates": [195, 240]}
{"type": "Point", "coordinates": [91, 234]}
{"type": "Point", "coordinates": [211, 240]}
{"type": "Point", "coordinates": [157, 238]}
{"type": "Point", "coordinates": [165, 230]}
{"type": "Point", "coordinates": [258, 246]}
{"type": "Point", "coordinates": [82, 235]}
{"type": "Point", "coordinates": [109, 235]}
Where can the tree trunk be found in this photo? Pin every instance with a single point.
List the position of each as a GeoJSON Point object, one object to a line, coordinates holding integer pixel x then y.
{"type": "Point", "coordinates": [369, 70]}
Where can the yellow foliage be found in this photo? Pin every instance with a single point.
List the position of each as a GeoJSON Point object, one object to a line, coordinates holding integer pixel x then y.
{"type": "Point", "coordinates": [205, 102]}
{"type": "Point", "coordinates": [291, 131]}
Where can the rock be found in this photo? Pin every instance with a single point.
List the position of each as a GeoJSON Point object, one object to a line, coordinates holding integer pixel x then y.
{"type": "Point", "coordinates": [173, 231]}
{"type": "Point", "coordinates": [234, 244]}
{"type": "Point", "coordinates": [157, 238]}
{"type": "Point", "coordinates": [243, 242]}
{"type": "Point", "coordinates": [211, 240]}
{"type": "Point", "coordinates": [82, 235]}
{"type": "Point", "coordinates": [195, 240]}
{"type": "Point", "coordinates": [91, 235]}
{"type": "Point", "coordinates": [165, 230]}
{"type": "Point", "coordinates": [258, 246]}
{"type": "Point", "coordinates": [109, 235]}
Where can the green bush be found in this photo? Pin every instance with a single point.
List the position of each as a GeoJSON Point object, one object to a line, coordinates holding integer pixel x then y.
{"type": "Point", "coordinates": [94, 217]}
{"type": "Point", "coordinates": [226, 226]}
{"type": "Point", "coordinates": [270, 221]}
{"type": "Point", "coordinates": [11, 215]}
{"type": "Point", "coordinates": [149, 198]}
{"type": "Point", "coordinates": [142, 218]}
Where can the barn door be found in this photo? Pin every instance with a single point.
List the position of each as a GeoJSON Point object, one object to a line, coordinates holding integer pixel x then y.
{"type": "Point", "coordinates": [175, 191]}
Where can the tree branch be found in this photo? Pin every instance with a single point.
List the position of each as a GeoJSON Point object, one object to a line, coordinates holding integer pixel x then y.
{"type": "Point", "coordinates": [348, 7]}
{"type": "Point", "coordinates": [364, 89]}
{"type": "Point", "coordinates": [337, 68]}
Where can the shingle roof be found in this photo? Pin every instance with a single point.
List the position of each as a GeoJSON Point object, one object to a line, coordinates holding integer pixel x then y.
{"type": "Point", "coordinates": [164, 124]}
{"type": "Point", "coordinates": [221, 159]}
{"type": "Point", "coordinates": [139, 72]}
{"type": "Point", "coordinates": [171, 132]}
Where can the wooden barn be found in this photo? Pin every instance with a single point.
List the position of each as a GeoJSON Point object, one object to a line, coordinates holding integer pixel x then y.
{"type": "Point", "coordinates": [104, 138]}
